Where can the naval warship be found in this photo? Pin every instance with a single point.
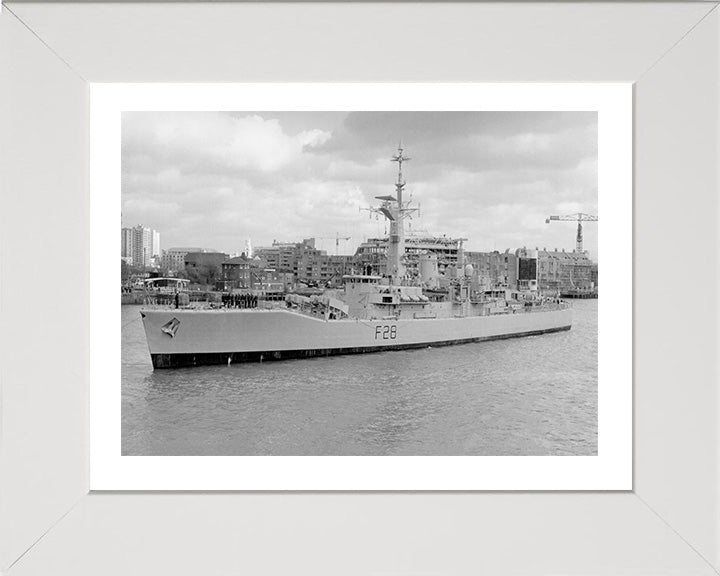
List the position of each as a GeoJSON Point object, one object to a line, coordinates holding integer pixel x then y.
{"type": "Point", "coordinates": [371, 313]}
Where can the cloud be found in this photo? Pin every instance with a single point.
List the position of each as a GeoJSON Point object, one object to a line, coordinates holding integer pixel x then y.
{"type": "Point", "coordinates": [472, 140]}
{"type": "Point", "coordinates": [215, 179]}
{"type": "Point", "coordinates": [216, 139]}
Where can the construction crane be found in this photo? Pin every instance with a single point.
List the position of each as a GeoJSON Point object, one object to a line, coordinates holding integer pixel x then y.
{"type": "Point", "coordinates": [337, 239]}
{"type": "Point", "coordinates": [579, 218]}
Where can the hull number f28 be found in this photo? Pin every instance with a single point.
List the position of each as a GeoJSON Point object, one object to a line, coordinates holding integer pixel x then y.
{"type": "Point", "coordinates": [385, 332]}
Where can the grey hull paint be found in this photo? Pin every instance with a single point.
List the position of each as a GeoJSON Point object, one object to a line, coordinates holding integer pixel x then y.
{"type": "Point", "coordinates": [197, 337]}
{"type": "Point", "coordinates": [204, 359]}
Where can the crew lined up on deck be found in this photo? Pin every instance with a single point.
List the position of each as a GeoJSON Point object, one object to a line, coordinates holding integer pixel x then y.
{"type": "Point", "coordinates": [239, 300]}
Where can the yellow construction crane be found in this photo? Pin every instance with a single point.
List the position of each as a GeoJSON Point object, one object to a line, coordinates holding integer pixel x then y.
{"type": "Point", "coordinates": [337, 239]}
{"type": "Point", "coordinates": [579, 218]}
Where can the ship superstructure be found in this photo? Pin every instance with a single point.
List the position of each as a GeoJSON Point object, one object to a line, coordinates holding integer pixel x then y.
{"type": "Point", "coordinates": [371, 313]}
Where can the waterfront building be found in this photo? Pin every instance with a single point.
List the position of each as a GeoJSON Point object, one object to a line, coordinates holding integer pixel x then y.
{"type": "Point", "coordinates": [494, 269]}
{"type": "Point", "coordinates": [126, 245]}
{"type": "Point", "coordinates": [321, 269]}
{"type": "Point", "coordinates": [445, 248]}
{"type": "Point", "coordinates": [371, 254]}
{"type": "Point", "coordinates": [204, 267]}
{"type": "Point", "coordinates": [306, 263]}
{"type": "Point", "coordinates": [557, 270]}
{"type": "Point", "coordinates": [240, 271]}
{"type": "Point", "coordinates": [245, 273]}
{"type": "Point", "coordinates": [564, 271]}
{"type": "Point", "coordinates": [156, 252]}
{"type": "Point", "coordinates": [594, 275]}
{"type": "Point", "coordinates": [371, 257]}
{"type": "Point", "coordinates": [284, 256]}
{"type": "Point", "coordinates": [140, 246]}
{"type": "Point", "coordinates": [312, 268]}
{"type": "Point", "coordinates": [173, 259]}
{"type": "Point", "coordinates": [338, 266]}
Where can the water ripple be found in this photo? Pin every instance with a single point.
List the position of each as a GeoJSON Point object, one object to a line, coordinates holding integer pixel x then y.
{"type": "Point", "coordinates": [529, 396]}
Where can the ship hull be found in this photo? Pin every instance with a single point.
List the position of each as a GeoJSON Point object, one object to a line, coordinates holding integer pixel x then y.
{"type": "Point", "coordinates": [180, 338]}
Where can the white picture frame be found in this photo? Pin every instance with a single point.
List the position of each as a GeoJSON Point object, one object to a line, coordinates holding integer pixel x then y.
{"type": "Point", "coordinates": [610, 469]}
{"type": "Point", "coordinates": [668, 523]}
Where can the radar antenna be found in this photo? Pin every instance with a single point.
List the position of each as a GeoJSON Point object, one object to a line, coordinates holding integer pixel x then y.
{"type": "Point", "coordinates": [399, 158]}
{"type": "Point", "coordinates": [395, 211]}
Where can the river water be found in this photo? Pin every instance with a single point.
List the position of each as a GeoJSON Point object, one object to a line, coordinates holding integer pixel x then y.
{"type": "Point", "coordinates": [527, 396]}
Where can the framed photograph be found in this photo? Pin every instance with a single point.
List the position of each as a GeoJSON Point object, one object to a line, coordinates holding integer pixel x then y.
{"type": "Point", "coordinates": [206, 164]}
{"type": "Point", "coordinates": [332, 343]}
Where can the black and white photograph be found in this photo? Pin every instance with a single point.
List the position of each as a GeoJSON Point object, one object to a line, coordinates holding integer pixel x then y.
{"type": "Point", "coordinates": [359, 283]}
{"type": "Point", "coordinates": [359, 288]}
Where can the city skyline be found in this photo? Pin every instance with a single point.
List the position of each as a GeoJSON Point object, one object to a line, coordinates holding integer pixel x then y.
{"type": "Point", "coordinates": [216, 179]}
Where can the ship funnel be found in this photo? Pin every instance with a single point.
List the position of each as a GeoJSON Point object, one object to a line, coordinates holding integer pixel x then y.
{"type": "Point", "coordinates": [429, 270]}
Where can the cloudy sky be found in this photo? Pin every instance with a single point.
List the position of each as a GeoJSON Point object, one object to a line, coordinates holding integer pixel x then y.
{"type": "Point", "coordinates": [214, 179]}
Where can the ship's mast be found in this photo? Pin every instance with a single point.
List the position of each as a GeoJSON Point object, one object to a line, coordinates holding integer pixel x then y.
{"type": "Point", "coordinates": [396, 241]}
{"type": "Point", "coordinates": [394, 209]}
